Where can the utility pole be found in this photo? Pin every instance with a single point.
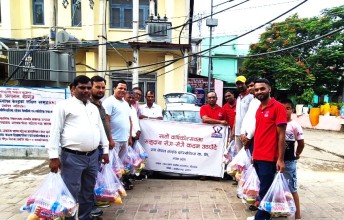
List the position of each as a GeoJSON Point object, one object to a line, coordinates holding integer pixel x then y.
{"type": "Point", "coordinates": [135, 82]}
{"type": "Point", "coordinates": [102, 38]}
{"type": "Point", "coordinates": [210, 22]}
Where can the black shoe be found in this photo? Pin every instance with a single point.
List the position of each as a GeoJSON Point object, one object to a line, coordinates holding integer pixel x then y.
{"type": "Point", "coordinates": [127, 184]}
{"type": "Point", "coordinates": [253, 208]}
{"type": "Point", "coordinates": [96, 212]}
{"type": "Point", "coordinates": [139, 178]}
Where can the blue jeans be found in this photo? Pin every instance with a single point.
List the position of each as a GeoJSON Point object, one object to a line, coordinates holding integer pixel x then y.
{"type": "Point", "coordinates": [79, 173]}
{"type": "Point", "coordinates": [266, 172]}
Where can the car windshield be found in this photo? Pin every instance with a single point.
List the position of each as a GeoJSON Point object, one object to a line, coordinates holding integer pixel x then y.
{"type": "Point", "coordinates": [182, 115]}
{"type": "Point", "coordinates": [180, 98]}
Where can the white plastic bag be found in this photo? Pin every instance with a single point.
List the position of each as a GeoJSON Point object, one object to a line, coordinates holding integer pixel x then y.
{"type": "Point", "coordinates": [278, 200]}
{"type": "Point", "coordinates": [51, 200]}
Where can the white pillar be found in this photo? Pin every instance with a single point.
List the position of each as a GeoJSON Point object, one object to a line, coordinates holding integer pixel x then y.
{"type": "Point", "coordinates": [102, 38]}
{"type": "Point", "coordinates": [136, 50]}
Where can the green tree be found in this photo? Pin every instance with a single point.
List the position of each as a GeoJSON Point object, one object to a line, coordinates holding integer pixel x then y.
{"type": "Point", "coordinates": [317, 65]}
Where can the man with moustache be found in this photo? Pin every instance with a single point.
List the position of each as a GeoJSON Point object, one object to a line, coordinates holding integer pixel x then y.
{"type": "Point", "coordinates": [77, 128]}
{"type": "Point", "coordinates": [211, 113]}
{"type": "Point", "coordinates": [242, 103]}
{"type": "Point", "coordinates": [97, 93]}
{"type": "Point", "coordinates": [269, 140]}
{"type": "Point", "coordinates": [118, 115]}
{"type": "Point", "coordinates": [229, 109]}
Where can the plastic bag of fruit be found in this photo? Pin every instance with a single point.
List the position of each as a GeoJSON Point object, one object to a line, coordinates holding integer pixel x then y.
{"type": "Point", "coordinates": [278, 200]}
{"type": "Point", "coordinates": [251, 186]}
{"type": "Point", "coordinates": [51, 200]}
{"type": "Point", "coordinates": [240, 162]}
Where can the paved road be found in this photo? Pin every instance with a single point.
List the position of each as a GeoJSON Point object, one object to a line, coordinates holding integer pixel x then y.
{"type": "Point", "coordinates": [321, 178]}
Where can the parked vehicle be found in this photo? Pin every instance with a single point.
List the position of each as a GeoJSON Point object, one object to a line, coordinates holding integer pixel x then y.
{"type": "Point", "coordinates": [181, 107]}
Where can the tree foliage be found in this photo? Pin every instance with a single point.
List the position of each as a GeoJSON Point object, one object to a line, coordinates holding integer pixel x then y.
{"type": "Point", "coordinates": [314, 66]}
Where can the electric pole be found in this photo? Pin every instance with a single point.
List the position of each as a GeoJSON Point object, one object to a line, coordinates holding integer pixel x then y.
{"type": "Point", "coordinates": [210, 22]}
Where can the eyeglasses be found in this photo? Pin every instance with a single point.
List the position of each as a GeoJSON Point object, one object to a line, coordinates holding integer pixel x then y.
{"type": "Point", "coordinates": [139, 94]}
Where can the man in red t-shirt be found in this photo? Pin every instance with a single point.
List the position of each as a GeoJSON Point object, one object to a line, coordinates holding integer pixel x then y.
{"type": "Point", "coordinates": [269, 140]}
{"type": "Point", "coordinates": [211, 113]}
{"type": "Point", "coordinates": [229, 108]}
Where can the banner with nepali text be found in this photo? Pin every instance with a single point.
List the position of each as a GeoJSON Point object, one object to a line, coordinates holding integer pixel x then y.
{"type": "Point", "coordinates": [25, 115]}
{"type": "Point", "coordinates": [186, 148]}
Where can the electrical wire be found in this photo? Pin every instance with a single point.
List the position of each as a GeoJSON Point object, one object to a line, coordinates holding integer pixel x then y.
{"type": "Point", "coordinates": [176, 59]}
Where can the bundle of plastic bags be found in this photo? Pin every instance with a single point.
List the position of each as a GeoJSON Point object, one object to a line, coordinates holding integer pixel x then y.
{"type": "Point", "coordinates": [278, 200]}
{"type": "Point", "coordinates": [51, 200]}
{"type": "Point", "coordinates": [108, 188]}
{"type": "Point", "coordinates": [131, 160]}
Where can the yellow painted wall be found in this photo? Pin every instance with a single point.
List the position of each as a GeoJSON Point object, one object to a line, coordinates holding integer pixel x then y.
{"type": "Point", "coordinates": [176, 11]}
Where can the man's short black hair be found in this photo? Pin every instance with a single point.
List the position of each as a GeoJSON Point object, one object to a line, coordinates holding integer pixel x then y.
{"type": "Point", "coordinates": [97, 79]}
{"type": "Point", "coordinates": [118, 82]}
{"type": "Point", "coordinates": [80, 79]}
{"type": "Point", "coordinates": [250, 79]}
{"type": "Point", "coordinates": [262, 80]}
{"type": "Point", "coordinates": [287, 101]}
{"type": "Point", "coordinates": [230, 91]}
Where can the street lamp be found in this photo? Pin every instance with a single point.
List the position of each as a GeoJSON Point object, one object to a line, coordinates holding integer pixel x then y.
{"type": "Point", "coordinates": [210, 22]}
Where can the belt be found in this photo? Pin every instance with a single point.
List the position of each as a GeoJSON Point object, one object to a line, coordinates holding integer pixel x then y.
{"type": "Point", "coordinates": [85, 153]}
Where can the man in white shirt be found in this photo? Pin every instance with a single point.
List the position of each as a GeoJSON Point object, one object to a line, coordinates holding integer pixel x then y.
{"type": "Point", "coordinates": [118, 115]}
{"type": "Point", "coordinates": [136, 131]}
{"type": "Point", "coordinates": [248, 125]}
{"type": "Point", "coordinates": [150, 110]}
{"type": "Point", "coordinates": [77, 128]}
{"type": "Point", "coordinates": [242, 104]}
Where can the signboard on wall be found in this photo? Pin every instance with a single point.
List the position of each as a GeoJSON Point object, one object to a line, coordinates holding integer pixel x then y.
{"type": "Point", "coordinates": [199, 87]}
{"type": "Point", "coordinates": [25, 115]}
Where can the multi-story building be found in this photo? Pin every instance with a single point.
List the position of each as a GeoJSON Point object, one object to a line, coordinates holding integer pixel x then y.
{"type": "Point", "coordinates": [140, 41]}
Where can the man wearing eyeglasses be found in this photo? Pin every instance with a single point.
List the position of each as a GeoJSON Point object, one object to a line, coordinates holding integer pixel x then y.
{"type": "Point", "coordinates": [137, 96]}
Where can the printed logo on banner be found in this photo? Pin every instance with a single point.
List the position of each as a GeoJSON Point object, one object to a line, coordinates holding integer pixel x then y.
{"type": "Point", "coordinates": [217, 130]}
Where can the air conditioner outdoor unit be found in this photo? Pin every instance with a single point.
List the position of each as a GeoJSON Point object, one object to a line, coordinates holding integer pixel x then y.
{"type": "Point", "coordinates": [158, 31]}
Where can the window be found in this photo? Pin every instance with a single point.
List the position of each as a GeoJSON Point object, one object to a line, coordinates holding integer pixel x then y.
{"type": "Point", "coordinates": [121, 13]}
{"type": "Point", "coordinates": [38, 12]}
{"type": "Point", "coordinates": [76, 13]}
{"type": "Point", "coordinates": [146, 82]}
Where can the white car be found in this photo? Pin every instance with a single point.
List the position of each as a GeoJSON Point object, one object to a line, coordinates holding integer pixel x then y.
{"type": "Point", "coordinates": [181, 106]}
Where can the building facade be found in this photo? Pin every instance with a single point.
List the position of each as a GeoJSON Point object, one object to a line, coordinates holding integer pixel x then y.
{"type": "Point", "coordinates": [140, 41]}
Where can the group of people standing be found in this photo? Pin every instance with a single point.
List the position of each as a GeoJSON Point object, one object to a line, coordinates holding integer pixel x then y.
{"type": "Point", "coordinates": [84, 130]}
{"type": "Point", "coordinates": [263, 125]}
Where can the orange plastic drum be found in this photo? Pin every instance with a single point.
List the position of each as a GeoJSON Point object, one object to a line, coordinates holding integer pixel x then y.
{"type": "Point", "coordinates": [334, 111]}
{"type": "Point", "coordinates": [314, 115]}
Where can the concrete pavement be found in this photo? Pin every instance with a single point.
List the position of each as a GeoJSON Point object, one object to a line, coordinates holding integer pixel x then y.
{"type": "Point", "coordinates": [321, 178]}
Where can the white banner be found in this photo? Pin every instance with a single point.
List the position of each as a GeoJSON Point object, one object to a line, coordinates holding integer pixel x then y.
{"type": "Point", "coordinates": [186, 148]}
{"type": "Point", "coordinates": [25, 115]}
